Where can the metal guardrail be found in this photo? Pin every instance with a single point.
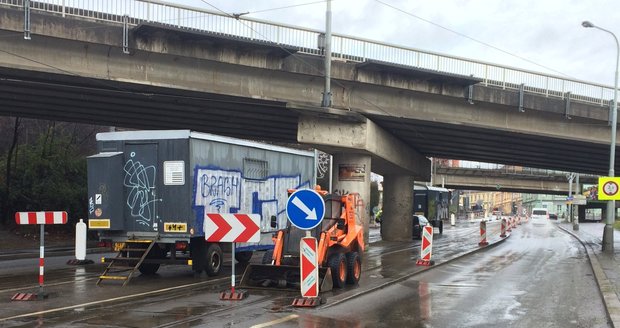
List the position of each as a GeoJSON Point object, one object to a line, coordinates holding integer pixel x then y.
{"type": "Point", "coordinates": [306, 41]}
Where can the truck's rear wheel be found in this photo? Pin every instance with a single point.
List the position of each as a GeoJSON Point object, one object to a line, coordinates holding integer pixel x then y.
{"type": "Point", "coordinates": [354, 268]}
{"type": "Point", "coordinates": [151, 268]}
{"type": "Point", "coordinates": [213, 259]}
{"type": "Point", "coordinates": [338, 265]}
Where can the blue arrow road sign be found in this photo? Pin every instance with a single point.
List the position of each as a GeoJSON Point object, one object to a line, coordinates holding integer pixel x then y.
{"type": "Point", "coordinates": [305, 209]}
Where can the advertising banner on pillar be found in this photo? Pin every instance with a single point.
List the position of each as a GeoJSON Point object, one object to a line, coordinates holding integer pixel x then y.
{"type": "Point", "coordinates": [351, 172]}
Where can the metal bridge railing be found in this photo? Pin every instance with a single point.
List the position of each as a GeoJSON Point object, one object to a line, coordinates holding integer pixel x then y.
{"type": "Point", "coordinates": [306, 41]}
{"type": "Point", "coordinates": [511, 170]}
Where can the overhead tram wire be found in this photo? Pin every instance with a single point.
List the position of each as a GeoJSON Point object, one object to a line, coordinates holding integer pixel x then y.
{"type": "Point", "coordinates": [473, 39]}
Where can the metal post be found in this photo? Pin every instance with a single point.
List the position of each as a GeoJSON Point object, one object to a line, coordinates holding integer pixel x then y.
{"type": "Point", "coordinates": [232, 279]}
{"type": "Point", "coordinates": [608, 231]}
{"type": "Point", "coordinates": [327, 93]}
{"type": "Point", "coordinates": [27, 19]}
{"type": "Point", "coordinates": [41, 261]}
{"type": "Point", "coordinates": [126, 34]}
{"type": "Point", "coordinates": [577, 192]}
{"type": "Point", "coordinates": [569, 215]}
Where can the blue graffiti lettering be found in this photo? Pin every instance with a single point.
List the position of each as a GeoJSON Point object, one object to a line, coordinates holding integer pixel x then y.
{"type": "Point", "coordinates": [219, 186]}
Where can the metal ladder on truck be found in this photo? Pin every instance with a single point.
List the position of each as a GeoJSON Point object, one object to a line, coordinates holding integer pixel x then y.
{"type": "Point", "coordinates": [127, 261]}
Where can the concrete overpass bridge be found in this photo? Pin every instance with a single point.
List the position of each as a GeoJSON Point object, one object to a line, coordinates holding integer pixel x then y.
{"type": "Point", "coordinates": [148, 64]}
{"type": "Point", "coordinates": [507, 179]}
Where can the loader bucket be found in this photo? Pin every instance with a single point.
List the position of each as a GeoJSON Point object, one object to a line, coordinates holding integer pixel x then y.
{"type": "Point", "coordinates": [281, 277]}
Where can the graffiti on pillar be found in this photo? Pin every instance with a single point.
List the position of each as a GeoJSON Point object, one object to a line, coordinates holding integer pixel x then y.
{"type": "Point", "coordinates": [341, 192]}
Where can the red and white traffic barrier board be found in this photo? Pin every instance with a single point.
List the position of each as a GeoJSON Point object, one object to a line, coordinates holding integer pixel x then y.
{"type": "Point", "coordinates": [503, 228]}
{"type": "Point", "coordinates": [232, 228]}
{"type": "Point", "coordinates": [426, 249]}
{"type": "Point", "coordinates": [309, 267]}
{"type": "Point", "coordinates": [44, 217]}
{"type": "Point", "coordinates": [483, 234]}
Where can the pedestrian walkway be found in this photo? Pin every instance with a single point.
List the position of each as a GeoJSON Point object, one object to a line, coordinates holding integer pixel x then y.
{"type": "Point", "coordinates": [606, 266]}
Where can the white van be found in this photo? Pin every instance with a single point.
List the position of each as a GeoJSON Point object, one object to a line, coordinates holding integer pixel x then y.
{"type": "Point", "coordinates": [540, 213]}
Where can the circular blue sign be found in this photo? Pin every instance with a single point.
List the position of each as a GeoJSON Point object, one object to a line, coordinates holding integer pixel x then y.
{"type": "Point", "coordinates": [305, 209]}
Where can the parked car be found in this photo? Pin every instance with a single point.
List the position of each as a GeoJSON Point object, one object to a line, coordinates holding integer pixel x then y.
{"type": "Point", "coordinates": [419, 222]}
{"type": "Point", "coordinates": [553, 216]}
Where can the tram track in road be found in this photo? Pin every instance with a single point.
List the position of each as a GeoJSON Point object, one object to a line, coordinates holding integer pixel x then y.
{"type": "Point", "coordinates": [407, 275]}
{"type": "Point", "coordinates": [374, 262]}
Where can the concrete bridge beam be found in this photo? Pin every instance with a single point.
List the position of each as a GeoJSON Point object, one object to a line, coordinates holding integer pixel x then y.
{"type": "Point", "coordinates": [358, 145]}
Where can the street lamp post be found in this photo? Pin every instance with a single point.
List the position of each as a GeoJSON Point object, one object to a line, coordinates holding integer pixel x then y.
{"type": "Point", "coordinates": [608, 232]}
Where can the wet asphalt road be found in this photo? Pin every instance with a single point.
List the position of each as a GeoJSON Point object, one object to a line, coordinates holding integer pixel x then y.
{"type": "Point", "coordinates": [539, 277]}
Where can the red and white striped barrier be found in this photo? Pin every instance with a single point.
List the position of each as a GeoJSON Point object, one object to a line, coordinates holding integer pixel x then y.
{"type": "Point", "coordinates": [503, 229]}
{"type": "Point", "coordinates": [426, 249]}
{"type": "Point", "coordinates": [46, 217]}
{"type": "Point", "coordinates": [483, 234]}
{"type": "Point", "coordinates": [518, 220]}
{"type": "Point", "coordinates": [42, 218]}
{"type": "Point", "coordinates": [309, 274]}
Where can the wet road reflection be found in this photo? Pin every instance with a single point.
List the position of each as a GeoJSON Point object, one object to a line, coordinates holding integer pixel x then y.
{"type": "Point", "coordinates": [539, 277]}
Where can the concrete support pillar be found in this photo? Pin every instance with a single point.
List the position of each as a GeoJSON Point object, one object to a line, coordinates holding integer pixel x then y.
{"type": "Point", "coordinates": [352, 175]}
{"type": "Point", "coordinates": [397, 215]}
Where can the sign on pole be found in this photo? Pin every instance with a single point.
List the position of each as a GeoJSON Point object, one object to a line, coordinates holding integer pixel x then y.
{"type": "Point", "coordinates": [42, 218]}
{"type": "Point", "coordinates": [608, 188]}
{"type": "Point", "coordinates": [232, 228]}
{"type": "Point", "coordinates": [305, 209]}
{"type": "Point", "coordinates": [309, 267]}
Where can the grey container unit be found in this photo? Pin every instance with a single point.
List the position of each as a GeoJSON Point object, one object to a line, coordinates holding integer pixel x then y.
{"type": "Point", "coordinates": [157, 185]}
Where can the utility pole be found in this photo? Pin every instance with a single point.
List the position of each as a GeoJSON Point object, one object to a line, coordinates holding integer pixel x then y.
{"type": "Point", "coordinates": [570, 177]}
{"type": "Point", "coordinates": [327, 92]}
{"type": "Point", "coordinates": [577, 192]}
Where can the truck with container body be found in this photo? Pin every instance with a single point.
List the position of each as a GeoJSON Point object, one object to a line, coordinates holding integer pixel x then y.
{"type": "Point", "coordinates": [149, 192]}
{"type": "Point", "coordinates": [433, 203]}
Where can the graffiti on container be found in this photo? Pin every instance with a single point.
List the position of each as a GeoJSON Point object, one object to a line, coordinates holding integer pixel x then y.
{"type": "Point", "coordinates": [91, 206]}
{"type": "Point", "coordinates": [228, 191]}
{"type": "Point", "coordinates": [141, 200]}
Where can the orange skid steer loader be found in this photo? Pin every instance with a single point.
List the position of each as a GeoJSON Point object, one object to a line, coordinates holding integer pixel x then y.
{"type": "Point", "coordinates": [340, 243]}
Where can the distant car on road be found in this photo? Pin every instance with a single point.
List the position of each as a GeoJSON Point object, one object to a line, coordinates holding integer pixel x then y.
{"type": "Point", "coordinates": [540, 213]}
{"type": "Point", "coordinates": [419, 222]}
{"type": "Point", "coordinates": [553, 216]}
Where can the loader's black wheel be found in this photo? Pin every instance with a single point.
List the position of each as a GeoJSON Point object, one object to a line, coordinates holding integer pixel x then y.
{"type": "Point", "coordinates": [354, 268]}
{"type": "Point", "coordinates": [214, 260]}
{"type": "Point", "coordinates": [338, 265]}
{"type": "Point", "coordinates": [267, 257]}
{"type": "Point", "coordinates": [243, 257]}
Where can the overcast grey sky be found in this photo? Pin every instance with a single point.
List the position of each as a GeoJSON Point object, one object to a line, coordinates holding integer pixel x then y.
{"type": "Point", "coordinates": [545, 32]}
